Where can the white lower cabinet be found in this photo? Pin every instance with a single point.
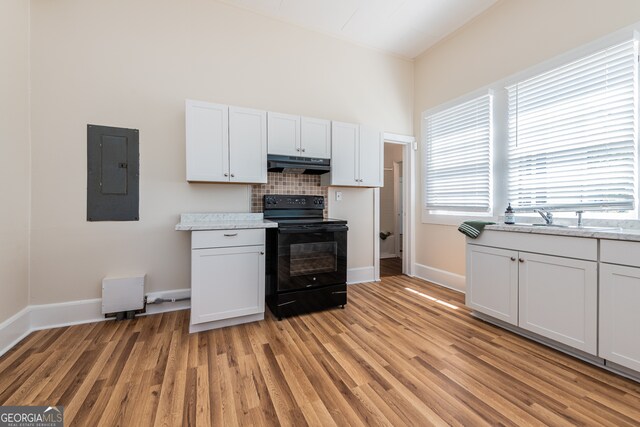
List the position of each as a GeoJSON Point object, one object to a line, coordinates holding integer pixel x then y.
{"type": "Point", "coordinates": [620, 314]}
{"type": "Point", "coordinates": [227, 281]}
{"type": "Point", "coordinates": [553, 296]}
{"type": "Point", "coordinates": [492, 286]}
{"type": "Point", "coordinates": [559, 299]}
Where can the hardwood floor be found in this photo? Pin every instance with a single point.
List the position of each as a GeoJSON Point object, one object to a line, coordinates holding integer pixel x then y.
{"type": "Point", "coordinates": [390, 267]}
{"type": "Point", "coordinates": [403, 352]}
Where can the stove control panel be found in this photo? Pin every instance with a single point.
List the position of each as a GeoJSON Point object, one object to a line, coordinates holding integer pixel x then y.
{"type": "Point", "coordinates": [275, 201]}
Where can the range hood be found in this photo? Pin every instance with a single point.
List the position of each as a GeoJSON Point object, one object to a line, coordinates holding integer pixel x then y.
{"type": "Point", "coordinates": [297, 165]}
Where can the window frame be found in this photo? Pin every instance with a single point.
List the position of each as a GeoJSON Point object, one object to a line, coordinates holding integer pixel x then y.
{"type": "Point", "coordinates": [534, 152]}
{"type": "Point", "coordinates": [445, 217]}
{"type": "Point", "coordinates": [500, 167]}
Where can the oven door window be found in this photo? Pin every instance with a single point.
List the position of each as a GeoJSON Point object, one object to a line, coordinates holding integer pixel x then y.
{"type": "Point", "coordinates": [313, 258]}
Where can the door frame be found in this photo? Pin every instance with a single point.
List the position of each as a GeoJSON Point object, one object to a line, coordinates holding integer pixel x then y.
{"type": "Point", "coordinates": [397, 209]}
{"type": "Point", "coordinates": [409, 151]}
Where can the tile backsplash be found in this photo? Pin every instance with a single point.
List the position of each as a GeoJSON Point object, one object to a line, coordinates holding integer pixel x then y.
{"type": "Point", "coordinates": [282, 183]}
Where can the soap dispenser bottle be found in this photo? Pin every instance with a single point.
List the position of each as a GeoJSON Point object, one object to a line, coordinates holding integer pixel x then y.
{"type": "Point", "coordinates": [509, 216]}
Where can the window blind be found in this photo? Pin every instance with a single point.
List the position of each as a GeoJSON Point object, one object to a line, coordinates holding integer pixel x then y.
{"type": "Point", "coordinates": [458, 157]}
{"type": "Point", "coordinates": [573, 133]}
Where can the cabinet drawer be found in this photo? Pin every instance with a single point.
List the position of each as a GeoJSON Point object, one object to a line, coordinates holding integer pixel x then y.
{"type": "Point", "coordinates": [619, 252]}
{"type": "Point", "coordinates": [226, 238]}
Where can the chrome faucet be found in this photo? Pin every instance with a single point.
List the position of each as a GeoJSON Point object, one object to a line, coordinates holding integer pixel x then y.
{"type": "Point", "coordinates": [546, 215]}
{"type": "Point", "coordinates": [579, 214]}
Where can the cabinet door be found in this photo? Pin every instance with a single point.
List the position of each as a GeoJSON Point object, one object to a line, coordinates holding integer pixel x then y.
{"type": "Point", "coordinates": [492, 282]}
{"type": "Point", "coordinates": [283, 134]}
{"type": "Point", "coordinates": [559, 299]}
{"type": "Point", "coordinates": [345, 138]}
{"type": "Point", "coordinates": [370, 157]}
{"type": "Point", "coordinates": [247, 145]}
{"type": "Point", "coordinates": [316, 138]}
{"type": "Point", "coordinates": [619, 315]}
{"type": "Point", "coordinates": [207, 135]}
{"type": "Point", "coordinates": [226, 283]}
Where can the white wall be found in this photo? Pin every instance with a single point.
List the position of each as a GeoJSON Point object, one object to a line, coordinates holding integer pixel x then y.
{"type": "Point", "coordinates": [132, 64]}
{"type": "Point", "coordinates": [14, 156]}
{"type": "Point", "coordinates": [511, 36]}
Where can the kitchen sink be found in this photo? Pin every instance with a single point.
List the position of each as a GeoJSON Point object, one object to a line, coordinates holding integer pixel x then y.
{"type": "Point", "coordinates": [575, 227]}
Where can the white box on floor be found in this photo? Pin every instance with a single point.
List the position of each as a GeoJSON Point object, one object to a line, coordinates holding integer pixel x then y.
{"type": "Point", "coordinates": [122, 294]}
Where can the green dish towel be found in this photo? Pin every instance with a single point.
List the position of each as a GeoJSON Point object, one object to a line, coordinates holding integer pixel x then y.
{"type": "Point", "coordinates": [473, 228]}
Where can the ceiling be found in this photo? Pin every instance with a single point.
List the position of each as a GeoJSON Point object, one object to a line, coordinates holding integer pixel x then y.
{"type": "Point", "coordinates": [402, 27]}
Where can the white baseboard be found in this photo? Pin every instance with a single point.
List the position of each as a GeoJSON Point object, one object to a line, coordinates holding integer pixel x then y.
{"type": "Point", "coordinates": [169, 306]}
{"type": "Point", "coordinates": [441, 277]}
{"type": "Point", "coordinates": [48, 316]}
{"type": "Point", "coordinates": [360, 275]}
{"type": "Point", "coordinates": [383, 256]}
{"type": "Point", "coordinates": [14, 329]}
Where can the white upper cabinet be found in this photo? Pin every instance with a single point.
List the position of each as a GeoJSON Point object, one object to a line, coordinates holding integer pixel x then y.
{"type": "Point", "coordinates": [315, 138]}
{"type": "Point", "coordinates": [284, 134]}
{"type": "Point", "coordinates": [207, 128]}
{"type": "Point", "coordinates": [247, 145]}
{"type": "Point", "coordinates": [345, 139]}
{"type": "Point", "coordinates": [225, 144]}
{"type": "Point", "coordinates": [291, 135]}
{"type": "Point", "coordinates": [371, 157]}
{"type": "Point", "coordinates": [356, 156]}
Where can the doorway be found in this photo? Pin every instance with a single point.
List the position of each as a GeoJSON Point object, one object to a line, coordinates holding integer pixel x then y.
{"type": "Point", "coordinates": [391, 232]}
{"type": "Point", "coordinates": [394, 208]}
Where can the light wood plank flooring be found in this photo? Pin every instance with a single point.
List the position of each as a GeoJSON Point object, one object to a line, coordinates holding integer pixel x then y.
{"type": "Point", "coordinates": [390, 267]}
{"type": "Point", "coordinates": [392, 357]}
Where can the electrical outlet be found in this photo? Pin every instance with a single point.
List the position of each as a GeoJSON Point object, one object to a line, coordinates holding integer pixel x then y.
{"type": "Point", "coordinates": [338, 196]}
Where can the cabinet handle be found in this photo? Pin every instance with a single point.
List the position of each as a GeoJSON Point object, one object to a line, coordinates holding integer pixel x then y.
{"type": "Point", "coordinates": [297, 149]}
{"type": "Point", "coordinates": [226, 174]}
{"type": "Point", "coordinates": [261, 253]}
{"type": "Point", "coordinates": [520, 259]}
{"type": "Point", "coordinates": [231, 235]}
{"type": "Point", "coordinates": [304, 150]}
{"type": "Point", "coordinates": [232, 175]}
{"type": "Point", "coordinates": [513, 258]}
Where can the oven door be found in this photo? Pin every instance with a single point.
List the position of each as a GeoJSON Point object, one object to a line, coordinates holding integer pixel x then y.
{"type": "Point", "coordinates": [311, 256]}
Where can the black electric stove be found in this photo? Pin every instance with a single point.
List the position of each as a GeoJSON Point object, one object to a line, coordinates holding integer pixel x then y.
{"type": "Point", "coordinates": [306, 256]}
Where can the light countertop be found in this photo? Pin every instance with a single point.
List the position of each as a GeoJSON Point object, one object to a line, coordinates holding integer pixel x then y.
{"type": "Point", "coordinates": [222, 221]}
{"type": "Point", "coordinates": [632, 235]}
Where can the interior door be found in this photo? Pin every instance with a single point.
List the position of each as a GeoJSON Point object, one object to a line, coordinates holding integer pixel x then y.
{"type": "Point", "coordinates": [247, 145]}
